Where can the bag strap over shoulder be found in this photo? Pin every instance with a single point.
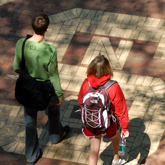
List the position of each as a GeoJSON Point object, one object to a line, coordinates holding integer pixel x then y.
{"type": "Point", "coordinates": [23, 59]}
{"type": "Point", "coordinates": [108, 84]}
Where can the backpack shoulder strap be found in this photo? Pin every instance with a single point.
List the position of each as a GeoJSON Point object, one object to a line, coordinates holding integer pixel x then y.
{"type": "Point", "coordinates": [108, 84]}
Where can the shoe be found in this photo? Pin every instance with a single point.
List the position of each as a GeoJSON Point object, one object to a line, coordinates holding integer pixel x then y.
{"type": "Point", "coordinates": [125, 158]}
{"type": "Point", "coordinates": [33, 163]}
{"type": "Point", "coordinates": [66, 131]}
{"type": "Point", "coordinates": [28, 163]}
{"type": "Point", "coordinates": [116, 163]}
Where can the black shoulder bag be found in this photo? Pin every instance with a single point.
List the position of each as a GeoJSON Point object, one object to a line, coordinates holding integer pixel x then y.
{"type": "Point", "coordinates": [32, 93]}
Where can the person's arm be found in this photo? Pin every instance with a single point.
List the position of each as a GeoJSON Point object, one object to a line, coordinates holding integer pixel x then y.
{"type": "Point", "coordinates": [119, 103]}
{"type": "Point", "coordinates": [18, 56]}
{"type": "Point", "coordinates": [54, 77]}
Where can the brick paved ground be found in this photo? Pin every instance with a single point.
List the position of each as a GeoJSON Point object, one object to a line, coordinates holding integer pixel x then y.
{"type": "Point", "coordinates": [129, 33]}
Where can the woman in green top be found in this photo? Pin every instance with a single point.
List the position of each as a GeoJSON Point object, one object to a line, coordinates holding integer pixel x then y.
{"type": "Point", "coordinates": [41, 63]}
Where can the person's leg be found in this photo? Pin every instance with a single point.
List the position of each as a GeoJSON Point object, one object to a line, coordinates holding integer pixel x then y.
{"type": "Point", "coordinates": [115, 145]}
{"type": "Point", "coordinates": [32, 150]}
{"type": "Point", "coordinates": [94, 151]}
{"type": "Point", "coordinates": [54, 124]}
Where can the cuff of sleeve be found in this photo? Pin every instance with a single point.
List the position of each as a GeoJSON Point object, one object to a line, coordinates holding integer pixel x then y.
{"type": "Point", "coordinates": [124, 129]}
{"type": "Point", "coordinates": [61, 96]}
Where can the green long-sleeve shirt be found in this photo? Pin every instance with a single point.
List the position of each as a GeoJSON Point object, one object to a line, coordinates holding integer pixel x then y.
{"type": "Point", "coordinates": [41, 62]}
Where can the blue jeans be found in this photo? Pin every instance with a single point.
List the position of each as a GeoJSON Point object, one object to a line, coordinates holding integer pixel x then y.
{"type": "Point", "coordinates": [55, 129]}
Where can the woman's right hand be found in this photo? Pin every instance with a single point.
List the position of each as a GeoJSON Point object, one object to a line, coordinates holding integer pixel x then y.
{"type": "Point", "coordinates": [124, 134]}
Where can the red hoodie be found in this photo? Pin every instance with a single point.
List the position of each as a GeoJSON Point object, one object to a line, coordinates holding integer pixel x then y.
{"type": "Point", "coordinates": [116, 96]}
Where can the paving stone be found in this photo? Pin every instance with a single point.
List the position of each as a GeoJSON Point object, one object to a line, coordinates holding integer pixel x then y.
{"type": "Point", "coordinates": [134, 20]}
{"type": "Point", "coordinates": [20, 121]}
{"type": "Point", "coordinates": [147, 81]}
{"type": "Point", "coordinates": [79, 140]}
{"type": "Point", "coordinates": [51, 152]}
{"type": "Point", "coordinates": [128, 33]}
{"type": "Point", "coordinates": [72, 71]}
{"type": "Point", "coordinates": [113, 17]}
{"type": "Point", "coordinates": [112, 56]}
{"type": "Point", "coordinates": [83, 157]}
{"type": "Point", "coordinates": [91, 14]}
{"type": "Point", "coordinates": [4, 135]}
{"type": "Point", "coordinates": [6, 147]}
{"type": "Point", "coordinates": [157, 81]}
{"type": "Point", "coordinates": [129, 91]}
{"type": "Point", "coordinates": [157, 37]}
{"type": "Point", "coordinates": [125, 53]}
{"type": "Point", "coordinates": [6, 141]}
{"type": "Point", "coordinates": [75, 155]}
{"type": "Point", "coordinates": [127, 19]}
{"type": "Point", "coordinates": [141, 21]}
{"type": "Point", "coordinates": [120, 18]}
{"type": "Point", "coordinates": [117, 76]}
{"type": "Point", "coordinates": [73, 84]}
{"type": "Point", "coordinates": [91, 28]}
{"type": "Point", "coordinates": [14, 111]}
{"type": "Point", "coordinates": [55, 18]}
{"type": "Point", "coordinates": [3, 121]}
{"type": "Point", "coordinates": [69, 14]}
{"type": "Point", "coordinates": [20, 148]}
{"type": "Point", "coordinates": [132, 79]}
{"type": "Point", "coordinates": [6, 110]}
{"type": "Point", "coordinates": [99, 28]}
{"type": "Point", "coordinates": [45, 150]}
{"type": "Point", "coordinates": [78, 11]}
{"type": "Point", "coordinates": [135, 34]}
{"type": "Point", "coordinates": [105, 16]}
{"type": "Point", "coordinates": [1, 108]}
{"type": "Point", "coordinates": [13, 147]}
{"type": "Point", "coordinates": [98, 15]}
{"type": "Point", "coordinates": [120, 33]}
{"type": "Point", "coordinates": [113, 32]}
{"type": "Point", "coordinates": [140, 80]}
{"type": "Point", "coordinates": [158, 87]}
{"type": "Point", "coordinates": [21, 132]}
{"type": "Point", "coordinates": [62, 17]}
{"type": "Point", "coordinates": [21, 113]}
{"type": "Point", "coordinates": [59, 153]}
{"type": "Point", "coordinates": [80, 71]}
{"type": "Point", "coordinates": [84, 13]}
{"type": "Point", "coordinates": [124, 78]}
{"type": "Point", "coordinates": [139, 114]}
{"type": "Point", "coordinates": [142, 35]}
{"type": "Point", "coordinates": [148, 22]}
{"type": "Point", "coordinates": [77, 147]}
{"type": "Point", "coordinates": [67, 155]}
{"type": "Point", "coordinates": [85, 27]}
{"type": "Point", "coordinates": [10, 122]}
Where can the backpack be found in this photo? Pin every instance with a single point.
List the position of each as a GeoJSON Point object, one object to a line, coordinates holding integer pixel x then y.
{"type": "Point", "coordinates": [95, 109]}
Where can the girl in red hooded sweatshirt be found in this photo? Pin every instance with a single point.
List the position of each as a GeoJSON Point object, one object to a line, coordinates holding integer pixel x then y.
{"type": "Point", "coordinates": [99, 72]}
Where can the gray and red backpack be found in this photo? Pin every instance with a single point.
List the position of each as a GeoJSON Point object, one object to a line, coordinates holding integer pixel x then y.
{"type": "Point", "coordinates": [95, 110]}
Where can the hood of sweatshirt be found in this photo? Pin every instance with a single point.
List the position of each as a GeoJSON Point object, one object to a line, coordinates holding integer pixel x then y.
{"type": "Point", "coordinates": [96, 82]}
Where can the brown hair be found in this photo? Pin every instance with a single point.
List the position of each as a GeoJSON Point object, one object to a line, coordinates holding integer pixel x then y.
{"type": "Point", "coordinates": [99, 67]}
{"type": "Point", "coordinates": [40, 23]}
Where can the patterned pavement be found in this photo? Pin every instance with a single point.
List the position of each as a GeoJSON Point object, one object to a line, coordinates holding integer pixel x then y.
{"type": "Point", "coordinates": [135, 46]}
